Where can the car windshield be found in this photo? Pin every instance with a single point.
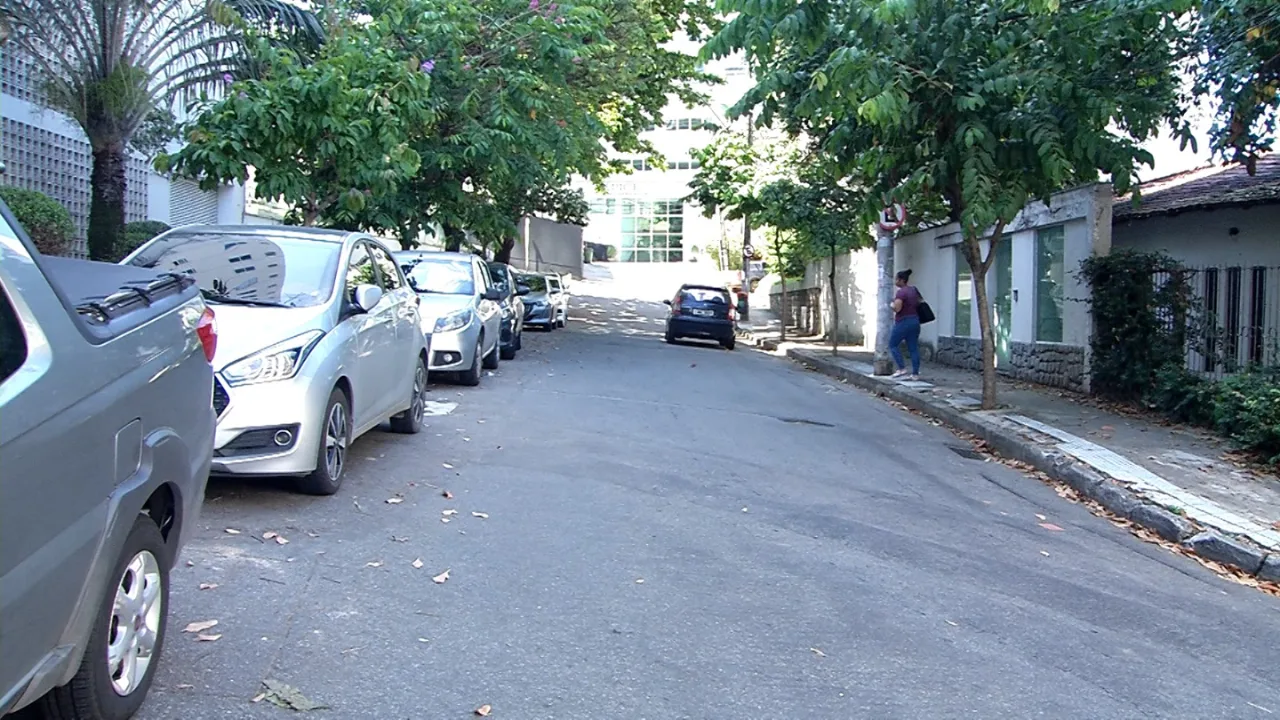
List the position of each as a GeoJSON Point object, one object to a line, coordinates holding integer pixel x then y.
{"type": "Point", "coordinates": [249, 268]}
{"type": "Point", "coordinates": [536, 283]}
{"type": "Point", "coordinates": [444, 276]}
{"type": "Point", "coordinates": [498, 276]}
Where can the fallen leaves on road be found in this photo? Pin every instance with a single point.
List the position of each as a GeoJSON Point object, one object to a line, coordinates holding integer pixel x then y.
{"type": "Point", "coordinates": [185, 686]}
{"type": "Point", "coordinates": [280, 539]}
{"type": "Point", "coordinates": [398, 538]}
{"type": "Point", "coordinates": [1044, 553]}
{"type": "Point", "coordinates": [1275, 525]}
{"type": "Point", "coordinates": [417, 564]}
{"type": "Point", "coordinates": [817, 652]}
{"type": "Point", "coordinates": [484, 710]}
{"type": "Point", "coordinates": [953, 623]}
{"type": "Point", "coordinates": [439, 579]}
{"type": "Point", "coordinates": [394, 500]}
{"type": "Point", "coordinates": [1050, 526]}
{"type": "Point", "coordinates": [199, 627]}
{"type": "Point", "coordinates": [640, 581]}
{"type": "Point", "coordinates": [449, 512]}
{"type": "Point", "coordinates": [232, 531]}
{"type": "Point", "coordinates": [444, 519]}
{"type": "Point", "coordinates": [374, 564]}
{"type": "Point", "coordinates": [447, 466]}
{"type": "Point", "coordinates": [288, 697]}
{"type": "Point", "coordinates": [208, 586]}
{"type": "Point", "coordinates": [208, 637]}
{"type": "Point", "coordinates": [482, 516]}
{"type": "Point", "coordinates": [1040, 517]}
{"type": "Point", "coordinates": [446, 494]}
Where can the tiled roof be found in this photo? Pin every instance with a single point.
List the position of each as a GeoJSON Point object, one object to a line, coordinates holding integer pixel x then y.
{"type": "Point", "coordinates": [1207, 187]}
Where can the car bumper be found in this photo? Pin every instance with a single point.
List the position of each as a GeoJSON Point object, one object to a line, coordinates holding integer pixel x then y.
{"type": "Point", "coordinates": [270, 428]}
{"type": "Point", "coordinates": [455, 350]}
{"type": "Point", "coordinates": [540, 315]}
{"type": "Point", "coordinates": [711, 328]}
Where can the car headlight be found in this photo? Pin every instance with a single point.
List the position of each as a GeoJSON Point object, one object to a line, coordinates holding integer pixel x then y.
{"type": "Point", "coordinates": [278, 362]}
{"type": "Point", "coordinates": [453, 321]}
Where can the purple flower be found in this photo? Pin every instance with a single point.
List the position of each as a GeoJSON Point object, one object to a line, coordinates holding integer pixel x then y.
{"type": "Point", "coordinates": [577, 60]}
{"type": "Point", "coordinates": [559, 21]}
{"type": "Point", "coordinates": [243, 95]}
{"type": "Point", "coordinates": [466, 66]}
{"type": "Point", "coordinates": [552, 7]}
{"type": "Point", "coordinates": [427, 66]}
{"type": "Point", "coordinates": [226, 78]}
{"type": "Point", "coordinates": [533, 4]}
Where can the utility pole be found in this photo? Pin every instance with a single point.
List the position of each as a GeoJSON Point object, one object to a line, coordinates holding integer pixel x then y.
{"type": "Point", "coordinates": [883, 362]}
{"type": "Point", "coordinates": [747, 251]}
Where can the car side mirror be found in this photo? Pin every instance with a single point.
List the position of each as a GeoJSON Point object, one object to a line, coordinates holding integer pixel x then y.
{"type": "Point", "coordinates": [666, 302]}
{"type": "Point", "coordinates": [522, 290]}
{"type": "Point", "coordinates": [366, 297]}
{"type": "Point", "coordinates": [493, 294]}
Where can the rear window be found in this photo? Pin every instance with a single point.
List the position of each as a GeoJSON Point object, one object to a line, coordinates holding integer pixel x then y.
{"type": "Point", "coordinates": [705, 295]}
{"type": "Point", "coordinates": [536, 283]}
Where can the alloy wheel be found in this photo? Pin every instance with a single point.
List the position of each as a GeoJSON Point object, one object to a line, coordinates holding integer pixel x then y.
{"type": "Point", "coordinates": [335, 440]}
{"type": "Point", "coordinates": [135, 623]}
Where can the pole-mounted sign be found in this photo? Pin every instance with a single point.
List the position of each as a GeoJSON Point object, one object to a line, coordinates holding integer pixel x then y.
{"type": "Point", "coordinates": [893, 217]}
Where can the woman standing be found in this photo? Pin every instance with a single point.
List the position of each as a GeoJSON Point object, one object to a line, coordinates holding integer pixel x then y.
{"type": "Point", "coordinates": [906, 325]}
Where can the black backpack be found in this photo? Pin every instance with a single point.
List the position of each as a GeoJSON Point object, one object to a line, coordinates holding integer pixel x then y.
{"type": "Point", "coordinates": [923, 311]}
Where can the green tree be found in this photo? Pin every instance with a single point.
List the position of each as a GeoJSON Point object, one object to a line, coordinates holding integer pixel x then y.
{"type": "Point", "coordinates": [113, 64]}
{"type": "Point", "coordinates": [326, 135]}
{"type": "Point", "coordinates": [1239, 51]}
{"type": "Point", "coordinates": [983, 107]}
{"type": "Point", "coordinates": [46, 221]}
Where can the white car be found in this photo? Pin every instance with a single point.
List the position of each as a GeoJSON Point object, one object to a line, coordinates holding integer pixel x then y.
{"type": "Point", "coordinates": [558, 296]}
{"type": "Point", "coordinates": [319, 341]}
{"type": "Point", "coordinates": [461, 311]}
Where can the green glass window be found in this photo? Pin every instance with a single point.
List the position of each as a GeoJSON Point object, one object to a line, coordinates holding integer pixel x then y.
{"type": "Point", "coordinates": [964, 297]}
{"type": "Point", "coordinates": [1050, 283]}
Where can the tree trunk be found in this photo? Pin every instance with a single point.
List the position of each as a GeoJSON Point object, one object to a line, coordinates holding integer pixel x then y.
{"type": "Point", "coordinates": [453, 237]}
{"type": "Point", "coordinates": [108, 184]}
{"type": "Point", "coordinates": [883, 361]}
{"type": "Point", "coordinates": [835, 306]}
{"type": "Point", "coordinates": [503, 254]}
{"type": "Point", "coordinates": [980, 266]}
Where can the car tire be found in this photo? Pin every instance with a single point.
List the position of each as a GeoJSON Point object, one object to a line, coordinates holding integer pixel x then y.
{"type": "Point", "coordinates": [671, 339]}
{"type": "Point", "coordinates": [334, 447]}
{"type": "Point", "coordinates": [94, 693]}
{"type": "Point", "coordinates": [564, 319]}
{"type": "Point", "coordinates": [728, 344]}
{"type": "Point", "coordinates": [471, 377]}
{"type": "Point", "coordinates": [508, 352]}
{"type": "Point", "coordinates": [409, 422]}
{"type": "Point", "coordinates": [493, 358]}
{"type": "Point", "coordinates": [519, 341]}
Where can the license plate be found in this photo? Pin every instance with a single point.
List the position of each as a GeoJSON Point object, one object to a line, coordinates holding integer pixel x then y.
{"type": "Point", "coordinates": [703, 313]}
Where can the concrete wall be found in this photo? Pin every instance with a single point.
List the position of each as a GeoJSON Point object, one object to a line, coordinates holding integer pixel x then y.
{"type": "Point", "coordinates": [1203, 238]}
{"type": "Point", "coordinates": [1085, 217]}
{"type": "Point", "coordinates": [547, 246]}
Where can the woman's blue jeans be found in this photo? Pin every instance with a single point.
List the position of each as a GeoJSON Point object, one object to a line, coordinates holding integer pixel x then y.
{"type": "Point", "coordinates": [908, 328]}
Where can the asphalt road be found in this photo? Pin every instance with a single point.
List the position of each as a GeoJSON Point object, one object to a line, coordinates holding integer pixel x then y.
{"type": "Point", "coordinates": [686, 532]}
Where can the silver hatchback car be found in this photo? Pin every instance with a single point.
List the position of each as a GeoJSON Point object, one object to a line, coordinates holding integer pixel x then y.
{"type": "Point", "coordinates": [319, 342]}
{"type": "Point", "coordinates": [461, 311]}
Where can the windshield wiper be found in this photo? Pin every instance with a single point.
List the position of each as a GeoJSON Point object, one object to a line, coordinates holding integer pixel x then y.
{"type": "Point", "coordinates": [228, 300]}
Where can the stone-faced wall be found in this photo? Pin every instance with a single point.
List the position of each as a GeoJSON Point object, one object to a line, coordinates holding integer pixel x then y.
{"type": "Point", "coordinates": [962, 352]}
{"type": "Point", "coordinates": [1048, 364]}
{"type": "Point", "coordinates": [1044, 363]}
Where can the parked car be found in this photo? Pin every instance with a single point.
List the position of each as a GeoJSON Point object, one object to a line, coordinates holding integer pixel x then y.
{"type": "Point", "coordinates": [702, 311]}
{"type": "Point", "coordinates": [559, 297]}
{"type": "Point", "coordinates": [320, 343]}
{"type": "Point", "coordinates": [460, 309]}
{"type": "Point", "coordinates": [105, 387]}
{"type": "Point", "coordinates": [504, 279]}
{"type": "Point", "coordinates": [539, 310]}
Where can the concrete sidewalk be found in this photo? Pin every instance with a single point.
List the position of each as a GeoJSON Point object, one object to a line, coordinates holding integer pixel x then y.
{"type": "Point", "coordinates": [1180, 482]}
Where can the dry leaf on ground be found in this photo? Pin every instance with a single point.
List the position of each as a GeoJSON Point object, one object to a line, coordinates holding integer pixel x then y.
{"type": "Point", "coordinates": [289, 698]}
{"type": "Point", "coordinates": [439, 579]}
{"type": "Point", "coordinates": [444, 519]}
{"type": "Point", "coordinates": [232, 531]}
{"type": "Point", "coordinates": [208, 637]}
{"type": "Point", "coordinates": [447, 513]}
{"type": "Point", "coordinates": [484, 710]}
{"type": "Point", "coordinates": [482, 516]}
{"type": "Point", "coordinates": [446, 494]}
{"type": "Point", "coordinates": [953, 623]}
{"type": "Point", "coordinates": [1050, 526]}
{"type": "Point", "coordinates": [208, 586]}
{"type": "Point", "coordinates": [374, 564]}
{"type": "Point", "coordinates": [417, 564]}
{"type": "Point", "coordinates": [1040, 517]}
{"type": "Point", "coordinates": [394, 500]}
{"type": "Point", "coordinates": [447, 466]}
{"type": "Point", "coordinates": [398, 538]}
{"type": "Point", "coordinates": [198, 627]}
{"type": "Point", "coordinates": [1044, 553]}
{"type": "Point", "coordinates": [817, 652]}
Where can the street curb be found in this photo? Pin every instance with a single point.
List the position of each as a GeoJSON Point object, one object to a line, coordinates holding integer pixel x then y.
{"type": "Point", "coordinates": [1115, 497]}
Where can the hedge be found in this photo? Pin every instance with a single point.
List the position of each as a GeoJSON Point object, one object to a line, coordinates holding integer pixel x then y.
{"type": "Point", "coordinates": [46, 221]}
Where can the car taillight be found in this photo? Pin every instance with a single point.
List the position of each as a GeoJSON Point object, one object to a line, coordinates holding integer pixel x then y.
{"type": "Point", "coordinates": [731, 312]}
{"type": "Point", "coordinates": [207, 329]}
{"type": "Point", "coordinates": [675, 306]}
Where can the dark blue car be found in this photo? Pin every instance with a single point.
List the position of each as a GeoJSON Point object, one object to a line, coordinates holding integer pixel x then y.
{"type": "Point", "coordinates": [702, 311]}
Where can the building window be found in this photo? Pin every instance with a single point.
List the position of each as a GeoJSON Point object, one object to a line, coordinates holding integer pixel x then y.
{"type": "Point", "coordinates": [964, 297]}
{"type": "Point", "coordinates": [1050, 283]}
{"type": "Point", "coordinates": [652, 231]}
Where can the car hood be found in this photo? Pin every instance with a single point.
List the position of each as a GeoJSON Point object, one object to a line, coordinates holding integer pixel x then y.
{"type": "Point", "coordinates": [435, 306]}
{"type": "Point", "coordinates": [244, 330]}
{"type": "Point", "coordinates": [535, 297]}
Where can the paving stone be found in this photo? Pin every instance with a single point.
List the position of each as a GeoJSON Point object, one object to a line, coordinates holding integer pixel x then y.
{"type": "Point", "coordinates": [1165, 523]}
{"type": "Point", "coordinates": [1114, 498]}
{"type": "Point", "coordinates": [1228, 551]}
{"type": "Point", "coordinates": [1270, 569]}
